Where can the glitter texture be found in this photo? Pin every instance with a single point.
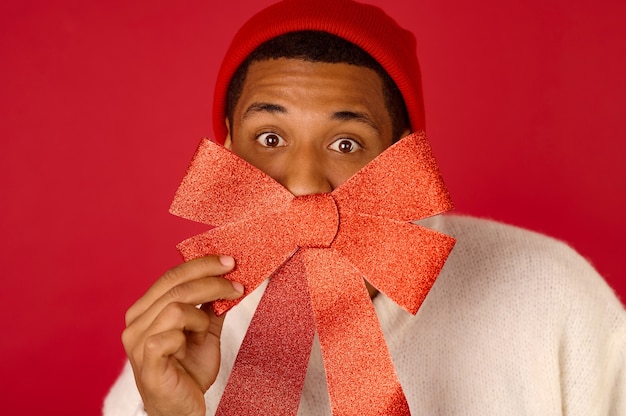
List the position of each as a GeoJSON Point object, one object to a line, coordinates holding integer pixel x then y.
{"type": "Point", "coordinates": [317, 250]}
{"type": "Point", "coordinates": [275, 389]}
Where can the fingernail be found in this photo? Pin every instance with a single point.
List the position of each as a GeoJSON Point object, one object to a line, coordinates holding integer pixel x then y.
{"type": "Point", "coordinates": [237, 286]}
{"type": "Point", "coordinates": [227, 261]}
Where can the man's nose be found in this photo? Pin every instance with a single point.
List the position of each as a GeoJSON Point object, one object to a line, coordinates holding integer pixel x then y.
{"type": "Point", "coordinates": [305, 173]}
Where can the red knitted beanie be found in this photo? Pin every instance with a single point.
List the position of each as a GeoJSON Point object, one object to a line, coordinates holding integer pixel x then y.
{"type": "Point", "coordinates": [364, 25]}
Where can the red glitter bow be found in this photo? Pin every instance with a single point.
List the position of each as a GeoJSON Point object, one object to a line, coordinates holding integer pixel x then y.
{"type": "Point", "coordinates": [318, 249]}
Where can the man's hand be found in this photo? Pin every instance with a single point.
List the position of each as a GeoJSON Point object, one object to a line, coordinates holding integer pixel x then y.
{"type": "Point", "coordinates": [173, 346]}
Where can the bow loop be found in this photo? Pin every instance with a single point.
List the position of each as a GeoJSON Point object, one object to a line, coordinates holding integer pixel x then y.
{"type": "Point", "coordinates": [386, 187]}
{"type": "Point", "coordinates": [236, 192]}
{"type": "Point", "coordinates": [256, 258]}
{"type": "Point", "coordinates": [413, 256]}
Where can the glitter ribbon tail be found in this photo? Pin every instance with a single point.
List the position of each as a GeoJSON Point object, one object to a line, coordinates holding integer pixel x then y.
{"type": "Point", "coordinates": [360, 374]}
{"type": "Point", "coordinates": [268, 374]}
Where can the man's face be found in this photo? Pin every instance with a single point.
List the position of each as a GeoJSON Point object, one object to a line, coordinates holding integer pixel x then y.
{"type": "Point", "coordinates": [310, 126]}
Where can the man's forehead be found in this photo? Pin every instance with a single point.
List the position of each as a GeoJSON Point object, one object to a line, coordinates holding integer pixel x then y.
{"type": "Point", "coordinates": [365, 26]}
{"type": "Point", "coordinates": [280, 85]}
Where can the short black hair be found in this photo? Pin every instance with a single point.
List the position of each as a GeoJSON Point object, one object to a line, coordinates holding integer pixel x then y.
{"type": "Point", "coordinates": [317, 46]}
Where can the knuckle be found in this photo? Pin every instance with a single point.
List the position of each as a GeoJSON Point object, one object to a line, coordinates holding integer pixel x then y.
{"type": "Point", "coordinates": [130, 346]}
{"type": "Point", "coordinates": [153, 344]}
{"type": "Point", "coordinates": [159, 344]}
{"type": "Point", "coordinates": [130, 315]}
{"type": "Point", "coordinates": [177, 292]}
{"type": "Point", "coordinates": [174, 275]}
{"type": "Point", "coordinates": [128, 338]}
{"type": "Point", "coordinates": [174, 311]}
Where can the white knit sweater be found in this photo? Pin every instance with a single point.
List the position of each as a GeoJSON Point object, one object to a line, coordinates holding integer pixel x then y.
{"type": "Point", "coordinates": [516, 324]}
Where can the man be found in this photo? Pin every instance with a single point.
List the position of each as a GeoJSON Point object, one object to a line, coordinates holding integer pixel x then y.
{"type": "Point", "coordinates": [310, 93]}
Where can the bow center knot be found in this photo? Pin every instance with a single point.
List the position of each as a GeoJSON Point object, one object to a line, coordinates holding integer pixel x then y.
{"type": "Point", "coordinates": [315, 220]}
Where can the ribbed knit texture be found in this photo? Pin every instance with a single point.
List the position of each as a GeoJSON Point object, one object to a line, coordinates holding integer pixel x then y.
{"type": "Point", "coordinates": [516, 324]}
{"type": "Point", "coordinates": [364, 25]}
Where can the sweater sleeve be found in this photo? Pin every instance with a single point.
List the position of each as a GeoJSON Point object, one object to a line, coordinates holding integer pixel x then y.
{"type": "Point", "coordinates": [543, 333]}
{"type": "Point", "coordinates": [592, 347]}
{"type": "Point", "coordinates": [593, 353]}
{"type": "Point", "coordinates": [618, 405]}
{"type": "Point", "coordinates": [123, 398]}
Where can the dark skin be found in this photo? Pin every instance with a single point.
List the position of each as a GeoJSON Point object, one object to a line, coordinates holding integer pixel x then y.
{"type": "Point", "coordinates": [310, 126]}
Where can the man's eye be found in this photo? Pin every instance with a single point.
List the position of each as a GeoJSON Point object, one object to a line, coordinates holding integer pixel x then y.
{"type": "Point", "coordinates": [271, 140]}
{"type": "Point", "coordinates": [344, 146]}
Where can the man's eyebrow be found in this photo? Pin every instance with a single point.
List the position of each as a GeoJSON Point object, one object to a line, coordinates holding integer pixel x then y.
{"type": "Point", "coordinates": [263, 107]}
{"type": "Point", "coordinates": [356, 116]}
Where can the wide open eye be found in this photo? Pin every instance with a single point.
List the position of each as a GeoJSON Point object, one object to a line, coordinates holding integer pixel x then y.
{"type": "Point", "coordinates": [345, 145]}
{"type": "Point", "coordinates": [271, 140]}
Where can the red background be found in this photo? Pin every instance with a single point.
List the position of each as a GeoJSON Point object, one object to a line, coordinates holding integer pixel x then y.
{"type": "Point", "coordinates": [103, 102]}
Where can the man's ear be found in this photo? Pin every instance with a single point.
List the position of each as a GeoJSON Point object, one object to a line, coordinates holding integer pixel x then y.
{"type": "Point", "coordinates": [228, 142]}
